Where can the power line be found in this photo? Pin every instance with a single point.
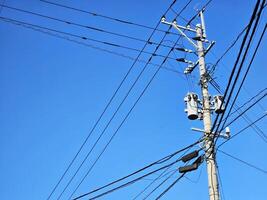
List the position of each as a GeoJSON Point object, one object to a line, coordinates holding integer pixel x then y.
{"type": "Point", "coordinates": [160, 161]}
{"type": "Point", "coordinates": [232, 121]}
{"type": "Point", "coordinates": [245, 128]}
{"type": "Point", "coordinates": [134, 180]}
{"type": "Point", "coordinates": [68, 22]}
{"type": "Point", "coordinates": [103, 112]}
{"type": "Point", "coordinates": [125, 118]}
{"type": "Point", "coordinates": [244, 162]}
{"type": "Point", "coordinates": [253, 17]}
{"type": "Point", "coordinates": [159, 185]}
{"type": "Point", "coordinates": [246, 73]}
{"type": "Point", "coordinates": [50, 33]}
{"type": "Point", "coordinates": [167, 189]}
{"type": "Point", "coordinates": [107, 17]}
{"type": "Point", "coordinates": [247, 102]}
{"type": "Point", "coordinates": [212, 70]}
{"type": "Point", "coordinates": [161, 175]}
{"type": "Point", "coordinates": [83, 37]}
{"type": "Point", "coordinates": [131, 182]}
{"type": "Point", "coordinates": [220, 180]}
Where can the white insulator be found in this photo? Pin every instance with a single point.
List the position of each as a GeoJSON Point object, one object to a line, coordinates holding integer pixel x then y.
{"type": "Point", "coordinates": [218, 104]}
{"type": "Point", "coordinates": [192, 106]}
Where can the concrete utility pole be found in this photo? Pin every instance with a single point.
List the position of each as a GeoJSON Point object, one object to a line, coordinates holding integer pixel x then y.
{"type": "Point", "coordinates": [209, 146]}
{"type": "Point", "coordinates": [192, 100]}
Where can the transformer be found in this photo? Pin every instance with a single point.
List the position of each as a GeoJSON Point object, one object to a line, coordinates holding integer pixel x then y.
{"type": "Point", "coordinates": [218, 104]}
{"type": "Point", "coordinates": [192, 106]}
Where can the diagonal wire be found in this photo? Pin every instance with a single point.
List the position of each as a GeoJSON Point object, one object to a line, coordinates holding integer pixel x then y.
{"type": "Point", "coordinates": [244, 162]}
{"type": "Point", "coordinates": [94, 14]}
{"type": "Point", "coordinates": [68, 22]}
{"type": "Point", "coordinates": [128, 114]}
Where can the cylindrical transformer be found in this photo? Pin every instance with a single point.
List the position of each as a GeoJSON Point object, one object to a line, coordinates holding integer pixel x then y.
{"type": "Point", "coordinates": [218, 104]}
{"type": "Point", "coordinates": [192, 106]}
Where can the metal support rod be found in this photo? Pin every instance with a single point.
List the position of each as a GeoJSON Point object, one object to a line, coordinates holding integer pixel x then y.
{"type": "Point", "coordinates": [209, 142]}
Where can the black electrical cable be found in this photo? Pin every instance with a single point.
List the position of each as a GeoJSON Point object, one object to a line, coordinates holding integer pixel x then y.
{"type": "Point", "coordinates": [112, 137]}
{"type": "Point", "coordinates": [255, 17]}
{"type": "Point", "coordinates": [152, 182]}
{"type": "Point", "coordinates": [159, 185]}
{"type": "Point", "coordinates": [250, 100]}
{"type": "Point", "coordinates": [167, 189]}
{"type": "Point", "coordinates": [246, 73]}
{"type": "Point", "coordinates": [241, 131]}
{"type": "Point", "coordinates": [161, 175]}
{"type": "Point", "coordinates": [160, 161]}
{"type": "Point", "coordinates": [127, 183]}
{"type": "Point", "coordinates": [83, 37]}
{"type": "Point", "coordinates": [236, 63]}
{"type": "Point", "coordinates": [68, 22]}
{"type": "Point", "coordinates": [103, 112]}
{"type": "Point", "coordinates": [125, 118]}
{"type": "Point", "coordinates": [244, 162]}
{"type": "Point", "coordinates": [127, 113]}
{"type": "Point", "coordinates": [212, 70]}
{"type": "Point", "coordinates": [243, 112]}
{"type": "Point", "coordinates": [239, 70]}
{"type": "Point", "coordinates": [257, 130]}
{"type": "Point", "coordinates": [88, 45]}
{"type": "Point", "coordinates": [107, 17]}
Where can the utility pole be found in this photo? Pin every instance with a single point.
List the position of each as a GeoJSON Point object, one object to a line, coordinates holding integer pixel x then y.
{"type": "Point", "coordinates": [193, 110]}
{"type": "Point", "coordinates": [209, 137]}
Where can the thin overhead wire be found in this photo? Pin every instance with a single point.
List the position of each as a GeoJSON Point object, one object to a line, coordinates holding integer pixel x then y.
{"type": "Point", "coordinates": [128, 183]}
{"type": "Point", "coordinates": [98, 120]}
{"type": "Point", "coordinates": [213, 68]}
{"type": "Point", "coordinates": [160, 161]}
{"type": "Point", "coordinates": [159, 185]}
{"type": "Point", "coordinates": [50, 33]}
{"type": "Point", "coordinates": [129, 112]}
{"type": "Point", "coordinates": [244, 162]}
{"type": "Point", "coordinates": [242, 130]}
{"type": "Point", "coordinates": [173, 184]}
{"type": "Point", "coordinates": [68, 22]}
{"type": "Point", "coordinates": [112, 137]}
{"type": "Point", "coordinates": [249, 101]}
{"type": "Point", "coordinates": [161, 175]}
{"type": "Point", "coordinates": [82, 37]}
{"type": "Point", "coordinates": [243, 112]}
{"type": "Point", "coordinates": [94, 14]}
{"type": "Point", "coordinates": [254, 16]}
{"type": "Point", "coordinates": [220, 180]}
{"type": "Point", "coordinates": [246, 73]}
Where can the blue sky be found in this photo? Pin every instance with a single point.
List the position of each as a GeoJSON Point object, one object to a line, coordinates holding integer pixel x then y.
{"type": "Point", "coordinates": [53, 90]}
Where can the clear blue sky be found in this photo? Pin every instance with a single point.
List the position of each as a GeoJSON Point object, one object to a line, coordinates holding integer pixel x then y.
{"type": "Point", "coordinates": [52, 92]}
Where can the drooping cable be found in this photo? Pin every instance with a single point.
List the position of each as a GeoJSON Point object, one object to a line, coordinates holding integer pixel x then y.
{"type": "Point", "coordinates": [253, 17]}
{"type": "Point", "coordinates": [103, 112]}
{"type": "Point", "coordinates": [241, 131]}
{"type": "Point", "coordinates": [250, 100]}
{"type": "Point", "coordinates": [170, 186]}
{"type": "Point", "coordinates": [161, 175]}
{"type": "Point", "coordinates": [107, 17]}
{"type": "Point", "coordinates": [244, 162]}
{"type": "Point", "coordinates": [68, 22]}
{"type": "Point", "coordinates": [246, 73]}
{"type": "Point", "coordinates": [82, 37]}
{"type": "Point", "coordinates": [160, 161]}
{"type": "Point", "coordinates": [129, 182]}
{"type": "Point", "coordinates": [127, 115]}
{"type": "Point", "coordinates": [86, 44]}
